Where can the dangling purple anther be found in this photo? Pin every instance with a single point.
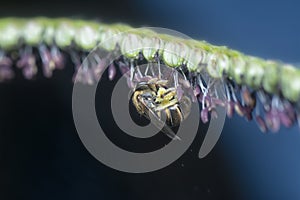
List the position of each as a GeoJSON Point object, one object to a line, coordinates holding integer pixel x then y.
{"type": "Point", "coordinates": [98, 69]}
{"type": "Point", "coordinates": [131, 84]}
{"type": "Point", "coordinates": [213, 113]}
{"type": "Point", "coordinates": [27, 63]}
{"type": "Point", "coordinates": [29, 71]}
{"type": "Point", "coordinates": [75, 59]}
{"type": "Point", "coordinates": [268, 118]}
{"type": "Point", "coordinates": [78, 76]}
{"type": "Point", "coordinates": [248, 113]}
{"type": "Point", "coordinates": [123, 68]}
{"type": "Point", "coordinates": [48, 64]}
{"type": "Point", "coordinates": [208, 101]}
{"type": "Point", "coordinates": [289, 110]}
{"type": "Point", "coordinates": [248, 97]}
{"type": "Point", "coordinates": [261, 123]}
{"type": "Point", "coordinates": [219, 102]}
{"type": "Point", "coordinates": [185, 83]}
{"type": "Point", "coordinates": [196, 90]}
{"type": "Point", "coordinates": [239, 108]}
{"type": "Point", "coordinates": [5, 61]}
{"type": "Point", "coordinates": [191, 93]}
{"type": "Point", "coordinates": [84, 75]}
{"type": "Point", "coordinates": [285, 119]}
{"type": "Point", "coordinates": [6, 71]}
{"type": "Point", "coordinates": [89, 77]}
{"type": "Point", "coordinates": [276, 119]}
{"type": "Point", "coordinates": [57, 58]}
{"type": "Point", "coordinates": [112, 71]}
{"type": "Point", "coordinates": [275, 124]}
{"type": "Point", "coordinates": [230, 108]}
{"type": "Point", "coordinates": [272, 120]}
{"type": "Point", "coordinates": [204, 115]}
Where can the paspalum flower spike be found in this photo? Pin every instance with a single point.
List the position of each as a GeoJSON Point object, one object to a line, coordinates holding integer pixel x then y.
{"type": "Point", "coordinates": [267, 90]}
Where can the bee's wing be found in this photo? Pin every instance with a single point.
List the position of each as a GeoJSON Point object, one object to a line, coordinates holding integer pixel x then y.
{"type": "Point", "coordinates": [156, 121]}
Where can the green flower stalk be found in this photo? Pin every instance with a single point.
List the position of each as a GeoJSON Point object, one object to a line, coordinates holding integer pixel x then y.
{"type": "Point", "coordinates": [252, 85]}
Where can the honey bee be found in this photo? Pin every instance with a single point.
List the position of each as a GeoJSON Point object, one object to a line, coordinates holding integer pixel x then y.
{"type": "Point", "coordinates": [156, 101]}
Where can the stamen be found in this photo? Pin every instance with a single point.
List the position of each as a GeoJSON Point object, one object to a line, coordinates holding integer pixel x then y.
{"type": "Point", "coordinates": [57, 57]}
{"type": "Point", "coordinates": [6, 71]}
{"type": "Point", "coordinates": [48, 63]}
{"type": "Point", "coordinates": [111, 71]}
{"type": "Point", "coordinates": [27, 63]}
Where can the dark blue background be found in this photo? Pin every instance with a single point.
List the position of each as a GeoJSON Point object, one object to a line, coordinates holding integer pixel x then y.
{"type": "Point", "coordinates": [265, 165]}
{"type": "Point", "coordinates": [43, 158]}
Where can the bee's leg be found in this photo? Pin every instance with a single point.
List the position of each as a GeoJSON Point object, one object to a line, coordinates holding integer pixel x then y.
{"type": "Point", "coordinates": [170, 133]}
{"type": "Point", "coordinates": [166, 129]}
{"type": "Point", "coordinates": [155, 120]}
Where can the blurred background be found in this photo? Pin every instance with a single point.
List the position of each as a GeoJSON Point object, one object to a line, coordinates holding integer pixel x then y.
{"type": "Point", "coordinates": [42, 157]}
